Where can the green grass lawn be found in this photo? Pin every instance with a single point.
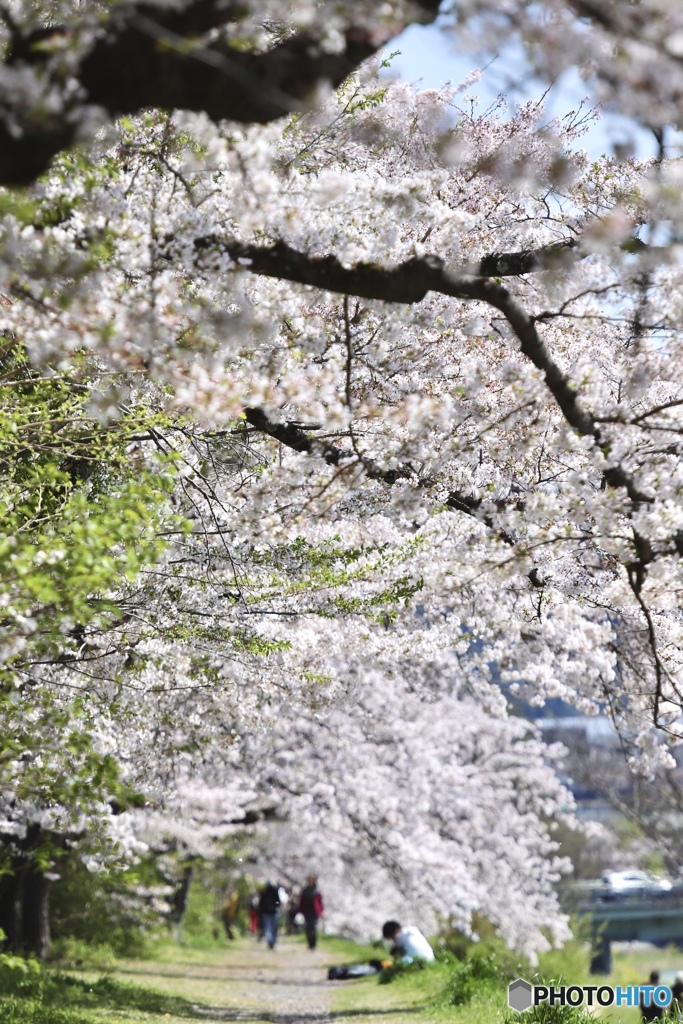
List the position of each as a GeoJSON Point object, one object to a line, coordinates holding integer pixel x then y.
{"type": "Point", "coordinates": [183, 983]}
{"type": "Point", "coordinates": [213, 981]}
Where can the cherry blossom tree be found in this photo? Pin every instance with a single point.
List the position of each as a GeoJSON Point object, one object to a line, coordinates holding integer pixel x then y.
{"type": "Point", "coordinates": [66, 65]}
{"type": "Point", "coordinates": [411, 373]}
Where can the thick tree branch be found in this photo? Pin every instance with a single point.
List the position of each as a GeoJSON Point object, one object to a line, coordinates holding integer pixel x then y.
{"type": "Point", "coordinates": [409, 282]}
{"type": "Point", "coordinates": [145, 57]}
{"type": "Point", "coordinates": [293, 436]}
{"type": "Point", "coordinates": [527, 261]}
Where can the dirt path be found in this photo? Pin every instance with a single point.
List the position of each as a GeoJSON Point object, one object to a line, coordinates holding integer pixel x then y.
{"type": "Point", "coordinates": [247, 981]}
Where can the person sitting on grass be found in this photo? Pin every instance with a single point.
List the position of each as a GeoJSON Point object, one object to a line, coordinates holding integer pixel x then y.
{"type": "Point", "coordinates": [408, 943]}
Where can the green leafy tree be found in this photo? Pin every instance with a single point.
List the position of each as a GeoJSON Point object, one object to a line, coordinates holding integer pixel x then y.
{"type": "Point", "coordinates": [82, 514]}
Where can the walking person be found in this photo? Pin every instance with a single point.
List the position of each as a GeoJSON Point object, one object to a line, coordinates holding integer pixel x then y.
{"type": "Point", "coordinates": [229, 912]}
{"type": "Point", "coordinates": [651, 1011]}
{"type": "Point", "coordinates": [254, 923]}
{"type": "Point", "coordinates": [312, 907]}
{"type": "Point", "coordinates": [269, 905]}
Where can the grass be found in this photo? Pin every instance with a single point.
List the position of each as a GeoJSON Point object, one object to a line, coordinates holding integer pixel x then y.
{"type": "Point", "coordinates": [419, 993]}
{"type": "Point", "coordinates": [351, 952]}
{"type": "Point", "coordinates": [470, 994]}
{"type": "Point", "coordinates": [59, 998]}
{"type": "Point", "coordinates": [19, 1010]}
{"type": "Point", "coordinates": [183, 981]}
{"type": "Point", "coordinates": [417, 997]}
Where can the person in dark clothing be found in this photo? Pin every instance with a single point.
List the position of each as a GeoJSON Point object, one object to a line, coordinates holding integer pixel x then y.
{"type": "Point", "coordinates": [268, 906]}
{"type": "Point", "coordinates": [677, 996]}
{"type": "Point", "coordinates": [312, 907]}
{"type": "Point", "coordinates": [651, 1012]}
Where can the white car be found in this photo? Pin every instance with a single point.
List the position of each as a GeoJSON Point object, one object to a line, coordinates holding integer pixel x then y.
{"type": "Point", "coordinates": [622, 882]}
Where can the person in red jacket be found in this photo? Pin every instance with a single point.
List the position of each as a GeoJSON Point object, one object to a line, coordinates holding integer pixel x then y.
{"type": "Point", "coordinates": [312, 907]}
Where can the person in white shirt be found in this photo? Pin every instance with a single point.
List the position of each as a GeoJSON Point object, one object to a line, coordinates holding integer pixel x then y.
{"type": "Point", "coordinates": [408, 941]}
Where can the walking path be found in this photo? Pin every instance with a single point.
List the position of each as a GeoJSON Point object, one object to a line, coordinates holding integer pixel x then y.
{"type": "Point", "coordinates": [246, 981]}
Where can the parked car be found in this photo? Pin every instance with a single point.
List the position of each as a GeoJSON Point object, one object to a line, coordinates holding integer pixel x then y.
{"type": "Point", "coordinates": [626, 883]}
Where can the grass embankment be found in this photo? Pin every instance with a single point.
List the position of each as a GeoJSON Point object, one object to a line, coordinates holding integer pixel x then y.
{"type": "Point", "coordinates": [471, 991]}
{"type": "Point", "coordinates": [176, 984]}
{"type": "Point", "coordinates": [213, 980]}
{"type": "Point", "coordinates": [474, 991]}
{"type": "Point", "coordinates": [56, 997]}
{"type": "Point", "coordinates": [182, 984]}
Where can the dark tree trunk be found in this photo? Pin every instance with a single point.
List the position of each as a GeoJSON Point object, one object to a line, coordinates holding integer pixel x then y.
{"type": "Point", "coordinates": [25, 889]}
{"type": "Point", "coordinates": [35, 919]}
{"type": "Point", "coordinates": [180, 896]}
{"type": "Point", "coordinates": [10, 906]}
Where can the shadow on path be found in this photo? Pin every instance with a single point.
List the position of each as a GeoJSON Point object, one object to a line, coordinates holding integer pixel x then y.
{"type": "Point", "coordinates": [251, 978]}
{"type": "Point", "coordinates": [219, 1013]}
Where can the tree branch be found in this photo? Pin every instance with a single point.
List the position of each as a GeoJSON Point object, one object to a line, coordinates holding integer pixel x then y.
{"type": "Point", "coordinates": [409, 282]}
{"type": "Point", "coordinates": [527, 261]}
{"type": "Point", "coordinates": [145, 57]}
{"type": "Point", "coordinates": [294, 437]}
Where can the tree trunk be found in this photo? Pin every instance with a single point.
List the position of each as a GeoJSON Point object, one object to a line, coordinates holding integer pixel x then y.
{"type": "Point", "coordinates": [10, 919]}
{"type": "Point", "coordinates": [35, 919]}
{"type": "Point", "coordinates": [179, 898]}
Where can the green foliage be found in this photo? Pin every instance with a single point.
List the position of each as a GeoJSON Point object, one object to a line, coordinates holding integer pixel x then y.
{"type": "Point", "coordinates": [402, 969]}
{"type": "Point", "coordinates": [351, 951]}
{"type": "Point", "coordinates": [110, 992]}
{"type": "Point", "coordinates": [29, 994]}
{"type": "Point", "coordinates": [19, 977]}
{"type": "Point", "coordinates": [482, 969]}
{"type": "Point", "coordinates": [489, 947]}
{"type": "Point", "coordinates": [572, 961]}
{"type": "Point", "coordinates": [54, 207]}
{"type": "Point", "coordinates": [202, 926]}
{"type": "Point", "coordinates": [472, 971]}
{"type": "Point", "coordinates": [94, 917]}
{"type": "Point", "coordinates": [58, 998]}
{"type": "Point", "coordinates": [321, 569]}
{"type": "Point", "coordinates": [29, 1011]}
{"type": "Point", "coordinates": [80, 516]}
{"type": "Point", "coordinates": [546, 1014]}
{"type": "Point", "coordinates": [72, 953]}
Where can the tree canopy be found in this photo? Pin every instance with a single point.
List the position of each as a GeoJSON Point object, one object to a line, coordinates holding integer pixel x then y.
{"type": "Point", "coordinates": [332, 413]}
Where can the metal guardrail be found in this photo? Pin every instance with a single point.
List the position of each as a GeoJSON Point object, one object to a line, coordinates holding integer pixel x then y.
{"type": "Point", "coordinates": [588, 897]}
{"type": "Point", "coordinates": [647, 913]}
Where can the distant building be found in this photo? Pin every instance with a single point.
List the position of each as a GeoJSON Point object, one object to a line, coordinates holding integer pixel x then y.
{"type": "Point", "coordinates": [591, 730]}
